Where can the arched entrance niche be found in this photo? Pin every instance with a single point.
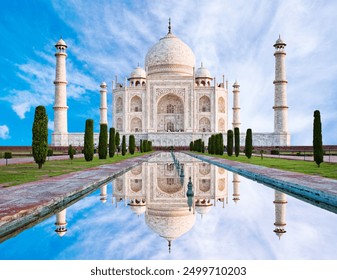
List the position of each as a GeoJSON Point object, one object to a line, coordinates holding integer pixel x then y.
{"type": "Point", "coordinates": [170, 114]}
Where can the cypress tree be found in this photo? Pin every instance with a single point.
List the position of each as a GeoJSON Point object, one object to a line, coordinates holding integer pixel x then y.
{"type": "Point", "coordinates": [40, 136]}
{"type": "Point", "coordinates": [317, 139]}
{"type": "Point", "coordinates": [118, 141]}
{"type": "Point", "coordinates": [237, 141]}
{"type": "Point", "coordinates": [112, 142]}
{"type": "Point", "coordinates": [123, 146]}
{"type": "Point", "coordinates": [191, 146]}
{"type": "Point", "coordinates": [230, 143]}
{"type": "Point", "coordinates": [249, 143]}
{"type": "Point", "coordinates": [71, 152]}
{"type": "Point", "coordinates": [221, 144]}
{"type": "Point", "coordinates": [141, 145]}
{"type": "Point", "coordinates": [203, 147]}
{"type": "Point", "coordinates": [211, 144]}
{"type": "Point", "coordinates": [103, 141]}
{"type": "Point", "coordinates": [132, 144]}
{"type": "Point", "coordinates": [148, 143]}
{"type": "Point", "coordinates": [89, 140]}
{"type": "Point", "coordinates": [144, 146]}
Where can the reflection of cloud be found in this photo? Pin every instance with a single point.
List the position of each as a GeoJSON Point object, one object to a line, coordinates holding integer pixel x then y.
{"type": "Point", "coordinates": [238, 231]}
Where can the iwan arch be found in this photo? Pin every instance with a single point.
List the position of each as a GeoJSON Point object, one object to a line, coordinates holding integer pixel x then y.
{"type": "Point", "coordinates": [171, 102]}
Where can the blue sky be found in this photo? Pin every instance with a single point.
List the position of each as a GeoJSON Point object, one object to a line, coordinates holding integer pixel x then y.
{"type": "Point", "coordinates": [108, 38]}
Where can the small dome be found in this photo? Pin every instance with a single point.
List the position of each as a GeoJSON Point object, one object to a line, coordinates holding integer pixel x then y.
{"type": "Point", "coordinates": [103, 84]}
{"type": "Point", "coordinates": [203, 210]}
{"type": "Point", "coordinates": [279, 41]}
{"type": "Point", "coordinates": [203, 72]}
{"type": "Point", "coordinates": [170, 56]}
{"type": "Point", "coordinates": [137, 73]}
{"type": "Point", "coordinates": [138, 209]}
{"type": "Point", "coordinates": [61, 43]}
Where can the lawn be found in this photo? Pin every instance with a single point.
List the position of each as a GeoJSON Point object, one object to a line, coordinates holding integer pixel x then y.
{"type": "Point", "coordinates": [15, 174]}
{"type": "Point", "coordinates": [328, 170]}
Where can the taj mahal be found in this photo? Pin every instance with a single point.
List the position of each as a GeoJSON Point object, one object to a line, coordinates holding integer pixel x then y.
{"type": "Point", "coordinates": [171, 102]}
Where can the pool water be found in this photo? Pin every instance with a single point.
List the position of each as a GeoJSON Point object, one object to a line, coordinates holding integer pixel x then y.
{"type": "Point", "coordinates": [144, 214]}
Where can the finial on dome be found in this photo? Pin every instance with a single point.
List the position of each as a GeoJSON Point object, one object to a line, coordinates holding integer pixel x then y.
{"type": "Point", "coordinates": [169, 26]}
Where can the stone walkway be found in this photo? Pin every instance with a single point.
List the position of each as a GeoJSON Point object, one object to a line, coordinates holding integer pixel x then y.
{"type": "Point", "coordinates": [23, 204]}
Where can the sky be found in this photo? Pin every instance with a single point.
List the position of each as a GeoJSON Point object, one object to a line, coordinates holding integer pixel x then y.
{"type": "Point", "coordinates": [109, 38]}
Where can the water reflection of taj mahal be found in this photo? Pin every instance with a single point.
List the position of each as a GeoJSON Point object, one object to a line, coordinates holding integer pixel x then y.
{"type": "Point", "coordinates": [157, 190]}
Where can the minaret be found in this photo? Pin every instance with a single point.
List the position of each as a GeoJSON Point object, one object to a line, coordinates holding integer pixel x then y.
{"type": "Point", "coordinates": [280, 213]}
{"type": "Point", "coordinates": [60, 134]}
{"type": "Point", "coordinates": [61, 223]}
{"type": "Point", "coordinates": [103, 104]}
{"type": "Point", "coordinates": [236, 105]}
{"type": "Point", "coordinates": [280, 82]}
{"type": "Point", "coordinates": [103, 194]}
{"type": "Point", "coordinates": [236, 187]}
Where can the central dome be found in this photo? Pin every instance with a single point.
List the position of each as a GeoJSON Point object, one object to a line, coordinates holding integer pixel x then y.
{"type": "Point", "coordinates": [170, 56]}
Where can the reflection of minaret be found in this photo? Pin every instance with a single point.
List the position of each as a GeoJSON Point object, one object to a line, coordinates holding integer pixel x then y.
{"type": "Point", "coordinates": [61, 223]}
{"type": "Point", "coordinates": [103, 193]}
{"type": "Point", "coordinates": [280, 213]}
{"type": "Point", "coordinates": [236, 187]}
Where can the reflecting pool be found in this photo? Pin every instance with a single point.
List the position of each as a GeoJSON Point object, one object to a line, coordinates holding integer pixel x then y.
{"type": "Point", "coordinates": [147, 214]}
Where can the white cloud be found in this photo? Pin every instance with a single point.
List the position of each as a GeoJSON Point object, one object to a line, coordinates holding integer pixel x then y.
{"type": "Point", "coordinates": [4, 132]}
{"type": "Point", "coordinates": [231, 38]}
{"type": "Point", "coordinates": [51, 125]}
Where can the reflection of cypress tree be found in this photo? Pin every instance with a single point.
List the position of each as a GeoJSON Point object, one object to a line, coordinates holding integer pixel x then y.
{"type": "Point", "coordinates": [317, 141]}
{"type": "Point", "coordinates": [112, 144]}
{"type": "Point", "coordinates": [249, 143]}
{"type": "Point", "coordinates": [237, 141]}
{"type": "Point", "coordinates": [89, 140]}
{"type": "Point", "coordinates": [123, 145]}
{"type": "Point", "coordinates": [230, 143]}
{"type": "Point", "coordinates": [40, 136]}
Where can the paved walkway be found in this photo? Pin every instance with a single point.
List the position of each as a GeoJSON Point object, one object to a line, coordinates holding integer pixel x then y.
{"type": "Point", "coordinates": [23, 204]}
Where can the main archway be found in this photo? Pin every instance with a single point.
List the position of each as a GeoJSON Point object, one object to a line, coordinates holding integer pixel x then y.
{"type": "Point", "coordinates": [170, 114]}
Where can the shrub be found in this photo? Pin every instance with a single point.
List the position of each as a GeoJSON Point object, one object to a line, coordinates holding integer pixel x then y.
{"type": "Point", "coordinates": [7, 156]}
{"type": "Point", "coordinates": [71, 152]}
{"type": "Point", "coordinates": [40, 136]}
{"type": "Point", "coordinates": [274, 152]}
{"type": "Point", "coordinates": [49, 153]}
{"type": "Point", "coordinates": [89, 140]}
{"type": "Point", "coordinates": [103, 141]}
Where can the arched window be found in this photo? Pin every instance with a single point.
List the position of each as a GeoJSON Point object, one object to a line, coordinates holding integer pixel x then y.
{"type": "Point", "coordinates": [221, 105]}
{"type": "Point", "coordinates": [119, 124]}
{"type": "Point", "coordinates": [136, 104]}
{"type": "Point", "coordinates": [119, 105]}
{"type": "Point", "coordinates": [204, 104]}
